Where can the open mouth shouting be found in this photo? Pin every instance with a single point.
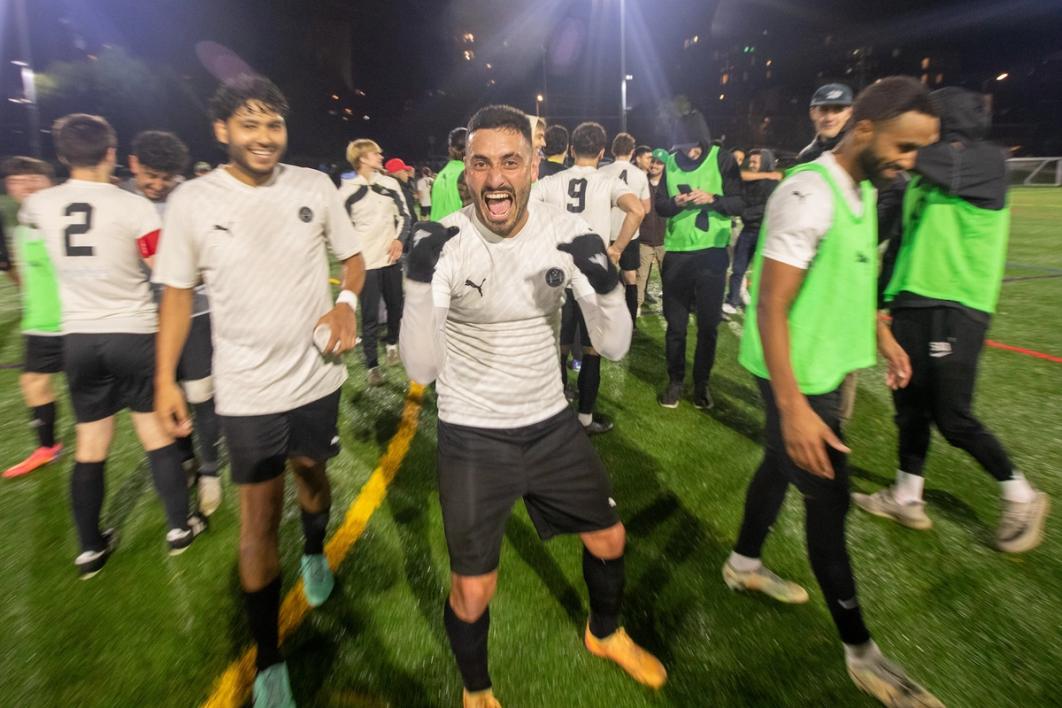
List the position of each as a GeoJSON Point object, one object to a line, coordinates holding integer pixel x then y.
{"type": "Point", "coordinates": [499, 204]}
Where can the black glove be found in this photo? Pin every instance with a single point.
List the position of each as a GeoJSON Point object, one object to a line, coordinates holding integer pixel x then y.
{"type": "Point", "coordinates": [425, 246]}
{"type": "Point", "coordinates": [588, 252]}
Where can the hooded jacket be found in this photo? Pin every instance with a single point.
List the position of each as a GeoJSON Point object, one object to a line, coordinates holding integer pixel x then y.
{"type": "Point", "coordinates": [755, 193]}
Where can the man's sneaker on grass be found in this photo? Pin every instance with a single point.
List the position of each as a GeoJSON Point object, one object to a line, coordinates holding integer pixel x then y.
{"type": "Point", "coordinates": [598, 425]}
{"type": "Point", "coordinates": [642, 666]}
{"type": "Point", "coordinates": [38, 458]}
{"type": "Point", "coordinates": [729, 309]}
{"type": "Point", "coordinates": [887, 682]}
{"type": "Point", "coordinates": [479, 699]}
{"type": "Point", "coordinates": [763, 580]}
{"type": "Point", "coordinates": [317, 579]}
{"type": "Point", "coordinates": [91, 562]}
{"type": "Point", "coordinates": [375, 377]}
{"type": "Point", "coordinates": [1021, 528]}
{"type": "Point", "coordinates": [392, 354]}
{"type": "Point", "coordinates": [180, 539]}
{"type": "Point", "coordinates": [272, 688]}
{"type": "Point", "coordinates": [883, 503]}
{"type": "Point", "coordinates": [670, 396]}
{"type": "Point", "coordinates": [702, 400]}
{"type": "Point", "coordinates": [209, 493]}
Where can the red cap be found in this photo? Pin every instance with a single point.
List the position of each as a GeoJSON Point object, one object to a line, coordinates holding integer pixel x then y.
{"type": "Point", "coordinates": [395, 164]}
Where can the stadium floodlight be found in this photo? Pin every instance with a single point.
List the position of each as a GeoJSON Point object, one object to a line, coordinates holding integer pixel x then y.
{"type": "Point", "coordinates": [1002, 76]}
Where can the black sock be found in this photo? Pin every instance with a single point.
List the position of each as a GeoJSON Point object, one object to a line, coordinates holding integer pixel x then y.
{"type": "Point", "coordinates": [468, 640]}
{"type": "Point", "coordinates": [589, 382]}
{"type": "Point", "coordinates": [186, 447]}
{"type": "Point", "coordinates": [604, 581]}
{"type": "Point", "coordinates": [632, 301]}
{"type": "Point", "coordinates": [208, 430]}
{"type": "Point", "coordinates": [564, 369]}
{"type": "Point", "coordinates": [314, 526]}
{"type": "Point", "coordinates": [170, 484]}
{"type": "Point", "coordinates": [44, 421]}
{"type": "Point", "coordinates": [86, 496]}
{"type": "Point", "coordinates": [263, 614]}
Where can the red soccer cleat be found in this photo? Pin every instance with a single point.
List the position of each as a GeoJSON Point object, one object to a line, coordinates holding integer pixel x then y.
{"type": "Point", "coordinates": [38, 458]}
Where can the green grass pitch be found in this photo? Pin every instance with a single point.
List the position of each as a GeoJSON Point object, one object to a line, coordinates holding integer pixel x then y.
{"type": "Point", "coordinates": [976, 627]}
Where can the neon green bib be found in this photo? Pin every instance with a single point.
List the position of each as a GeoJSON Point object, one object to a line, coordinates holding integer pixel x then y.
{"type": "Point", "coordinates": [445, 199]}
{"type": "Point", "coordinates": [40, 288]}
{"type": "Point", "coordinates": [831, 321]}
{"type": "Point", "coordinates": [951, 249]}
{"type": "Point", "coordinates": [689, 230]}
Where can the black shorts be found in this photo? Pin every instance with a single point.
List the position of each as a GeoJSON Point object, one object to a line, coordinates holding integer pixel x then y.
{"type": "Point", "coordinates": [482, 472]}
{"type": "Point", "coordinates": [631, 258]}
{"type": "Point", "coordinates": [572, 318]}
{"type": "Point", "coordinates": [109, 372]}
{"type": "Point", "coordinates": [260, 445]}
{"type": "Point", "coordinates": [198, 351]}
{"type": "Point", "coordinates": [44, 354]}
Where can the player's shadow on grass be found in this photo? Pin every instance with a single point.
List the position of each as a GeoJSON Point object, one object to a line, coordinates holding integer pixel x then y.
{"type": "Point", "coordinates": [411, 496]}
{"type": "Point", "coordinates": [372, 414]}
{"type": "Point", "coordinates": [128, 496]}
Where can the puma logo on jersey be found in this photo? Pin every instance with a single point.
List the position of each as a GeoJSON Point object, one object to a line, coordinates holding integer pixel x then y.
{"type": "Point", "coordinates": [219, 227]}
{"type": "Point", "coordinates": [800, 196]}
{"type": "Point", "coordinates": [600, 260]}
{"type": "Point", "coordinates": [479, 288]}
{"type": "Point", "coordinates": [862, 258]}
{"type": "Point", "coordinates": [939, 350]}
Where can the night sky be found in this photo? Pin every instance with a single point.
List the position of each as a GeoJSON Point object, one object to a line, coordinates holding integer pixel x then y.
{"type": "Point", "coordinates": [402, 62]}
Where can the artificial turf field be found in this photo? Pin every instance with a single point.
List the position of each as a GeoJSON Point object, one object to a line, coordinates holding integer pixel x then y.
{"type": "Point", "coordinates": [976, 627]}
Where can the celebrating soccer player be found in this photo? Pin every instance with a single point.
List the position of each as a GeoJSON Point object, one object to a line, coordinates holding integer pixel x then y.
{"type": "Point", "coordinates": [482, 323]}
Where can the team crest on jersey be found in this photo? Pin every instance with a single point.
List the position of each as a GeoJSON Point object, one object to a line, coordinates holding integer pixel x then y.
{"type": "Point", "coordinates": [554, 277]}
{"type": "Point", "coordinates": [306, 214]}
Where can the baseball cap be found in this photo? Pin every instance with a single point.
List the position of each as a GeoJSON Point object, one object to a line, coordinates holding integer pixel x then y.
{"type": "Point", "coordinates": [660, 155]}
{"type": "Point", "coordinates": [395, 164]}
{"type": "Point", "coordinates": [832, 95]}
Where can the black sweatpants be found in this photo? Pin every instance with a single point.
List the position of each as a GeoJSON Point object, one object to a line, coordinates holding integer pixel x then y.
{"type": "Point", "coordinates": [826, 503]}
{"type": "Point", "coordinates": [743, 251]}
{"type": "Point", "coordinates": [694, 281]}
{"type": "Point", "coordinates": [383, 282]}
{"type": "Point", "coordinates": [944, 344]}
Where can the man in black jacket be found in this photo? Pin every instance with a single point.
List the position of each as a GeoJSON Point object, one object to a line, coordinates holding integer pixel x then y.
{"type": "Point", "coordinates": [756, 192]}
{"type": "Point", "coordinates": [831, 107]}
{"type": "Point", "coordinates": [699, 193]}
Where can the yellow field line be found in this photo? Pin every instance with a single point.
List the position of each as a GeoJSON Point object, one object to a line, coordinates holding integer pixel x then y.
{"type": "Point", "coordinates": [234, 685]}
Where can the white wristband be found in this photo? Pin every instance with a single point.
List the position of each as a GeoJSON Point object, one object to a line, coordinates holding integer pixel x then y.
{"type": "Point", "coordinates": [349, 298]}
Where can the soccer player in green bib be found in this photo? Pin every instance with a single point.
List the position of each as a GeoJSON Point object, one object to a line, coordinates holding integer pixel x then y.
{"type": "Point", "coordinates": [445, 193]}
{"type": "Point", "coordinates": [942, 292]}
{"type": "Point", "coordinates": [811, 322]}
{"type": "Point", "coordinates": [40, 316]}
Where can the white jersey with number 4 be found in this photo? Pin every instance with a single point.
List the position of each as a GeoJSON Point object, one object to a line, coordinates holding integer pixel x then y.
{"type": "Point", "coordinates": [584, 191]}
{"type": "Point", "coordinates": [91, 230]}
{"type": "Point", "coordinates": [628, 173]}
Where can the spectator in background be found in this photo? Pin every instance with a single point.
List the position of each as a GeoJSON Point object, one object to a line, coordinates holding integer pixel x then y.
{"type": "Point", "coordinates": [445, 193]}
{"type": "Point", "coordinates": [424, 192]}
{"type": "Point", "coordinates": [651, 235]}
{"type": "Point", "coordinates": [830, 110]}
{"type": "Point", "coordinates": [403, 173]}
{"type": "Point", "coordinates": [755, 193]}
{"type": "Point", "coordinates": [556, 151]}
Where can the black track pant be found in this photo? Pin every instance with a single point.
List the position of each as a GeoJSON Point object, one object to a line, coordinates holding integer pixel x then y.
{"type": "Point", "coordinates": [386, 283]}
{"type": "Point", "coordinates": [944, 344]}
{"type": "Point", "coordinates": [694, 281]}
{"type": "Point", "coordinates": [826, 504]}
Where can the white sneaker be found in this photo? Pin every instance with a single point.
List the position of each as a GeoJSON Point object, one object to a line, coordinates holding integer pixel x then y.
{"type": "Point", "coordinates": [883, 503]}
{"type": "Point", "coordinates": [392, 354]}
{"type": "Point", "coordinates": [889, 683]}
{"type": "Point", "coordinates": [763, 580]}
{"type": "Point", "coordinates": [729, 309]}
{"type": "Point", "coordinates": [209, 493]}
{"type": "Point", "coordinates": [1021, 528]}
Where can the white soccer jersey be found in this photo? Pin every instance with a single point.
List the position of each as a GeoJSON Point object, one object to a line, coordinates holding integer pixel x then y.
{"type": "Point", "coordinates": [91, 230]}
{"type": "Point", "coordinates": [492, 345]}
{"type": "Point", "coordinates": [377, 209]}
{"type": "Point", "coordinates": [263, 254]}
{"type": "Point", "coordinates": [628, 173]}
{"type": "Point", "coordinates": [584, 191]}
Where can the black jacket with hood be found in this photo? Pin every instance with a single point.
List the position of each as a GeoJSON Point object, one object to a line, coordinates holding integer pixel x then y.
{"type": "Point", "coordinates": [691, 130]}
